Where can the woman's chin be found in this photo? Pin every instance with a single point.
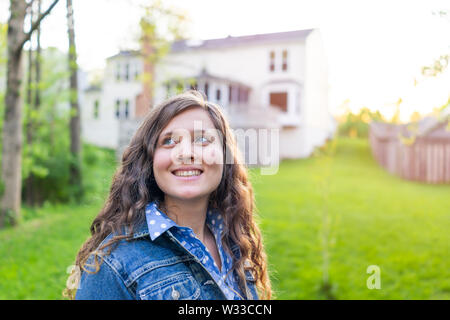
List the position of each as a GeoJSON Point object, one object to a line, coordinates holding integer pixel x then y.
{"type": "Point", "coordinates": [190, 194]}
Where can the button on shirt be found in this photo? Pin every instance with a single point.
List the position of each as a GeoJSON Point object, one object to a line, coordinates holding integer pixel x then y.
{"type": "Point", "coordinates": [158, 223]}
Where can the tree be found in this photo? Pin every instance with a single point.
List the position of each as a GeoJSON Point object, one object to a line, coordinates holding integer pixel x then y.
{"type": "Point", "coordinates": [48, 157]}
{"type": "Point", "coordinates": [75, 125]}
{"type": "Point", "coordinates": [440, 64]}
{"type": "Point", "coordinates": [28, 116]}
{"type": "Point", "coordinates": [3, 35]}
{"type": "Point", "coordinates": [33, 102]}
{"type": "Point", "coordinates": [155, 41]}
{"type": "Point", "coordinates": [11, 178]}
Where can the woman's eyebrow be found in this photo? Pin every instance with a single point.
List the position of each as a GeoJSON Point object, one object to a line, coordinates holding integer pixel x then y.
{"type": "Point", "coordinates": [169, 133]}
{"type": "Point", "coordinates": [165, 134]}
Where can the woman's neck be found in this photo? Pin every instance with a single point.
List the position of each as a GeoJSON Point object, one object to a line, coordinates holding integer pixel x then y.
{"type": "Point", "coordinates": [187, 213]}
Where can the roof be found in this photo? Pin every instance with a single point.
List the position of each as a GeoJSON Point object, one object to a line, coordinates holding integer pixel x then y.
{"type": "Point", "coordinates": [282, 81]}
{"type": "Point", "coordinates": [205, 75]}
{"type": "Point", "coordinates": [428, 127]}
{"type": "Point", "coordinates": [182, 45]}
{"type": "Point", "coordinates": [230, 41]}
{"type": "Point", "coordinates": [125, 53]}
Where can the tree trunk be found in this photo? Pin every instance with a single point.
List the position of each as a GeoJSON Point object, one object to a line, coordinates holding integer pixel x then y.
{"type": "Point", "coordinates": [12, 127]}
{"type": "Point", "coordinates": [37, 94]}
{"type": "Point", "coordinates": [32, 63]}
{"type": "Point", "coordinates": [11, 167]}
{"type": "Point", "coordinates": [37, 102]}
{"type": "Point", "coordinates": [29, 120]}
{"type": "Point", "coordinates": [75, 127]}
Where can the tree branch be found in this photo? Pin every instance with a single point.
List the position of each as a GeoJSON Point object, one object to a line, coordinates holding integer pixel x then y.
{"type": "Point", "coordinates": [36, 24]}
{"type": "Point", "coordinates": [29, 4]}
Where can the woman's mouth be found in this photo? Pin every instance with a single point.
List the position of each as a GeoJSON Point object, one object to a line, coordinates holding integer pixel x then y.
{"type": "Point", "coordinates": [187, 174]}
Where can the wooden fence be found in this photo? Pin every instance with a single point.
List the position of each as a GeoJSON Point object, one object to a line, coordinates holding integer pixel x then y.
{"type": "Point", "coordinates": [424, 156]}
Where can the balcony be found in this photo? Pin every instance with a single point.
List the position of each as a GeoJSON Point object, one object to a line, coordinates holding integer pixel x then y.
{"type": "Point", "coordinates": [252, 116]}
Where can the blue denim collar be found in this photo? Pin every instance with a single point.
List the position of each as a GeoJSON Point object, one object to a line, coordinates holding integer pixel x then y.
{"type": "Point", "coordinates": [144, 227]}
{"type": "Point", "coordinates": [139, 230]}
{"type": "Point", "coordinates": [158, 222]}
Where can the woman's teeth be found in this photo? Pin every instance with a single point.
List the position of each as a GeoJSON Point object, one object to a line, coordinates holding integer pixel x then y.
{"type": "Point", "coordinates": [188, 173]}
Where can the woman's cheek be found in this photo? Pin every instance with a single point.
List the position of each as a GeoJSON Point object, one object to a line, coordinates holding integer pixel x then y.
{"type": "Point", "coordinates": [212, 155]}
{"type": "Point", "coordinates": [162, 160]}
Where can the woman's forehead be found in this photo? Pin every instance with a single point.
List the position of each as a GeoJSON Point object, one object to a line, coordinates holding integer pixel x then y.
{"type": "Point", "coordinates": [194, 119]}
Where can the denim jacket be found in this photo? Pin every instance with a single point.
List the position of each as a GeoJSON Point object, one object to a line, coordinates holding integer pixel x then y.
{"type": "Point", "coordinates": [145, 269]}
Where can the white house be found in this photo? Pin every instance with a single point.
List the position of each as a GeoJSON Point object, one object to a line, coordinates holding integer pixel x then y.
{"type": "Point", "coordinates": [274, 81]}
{"type": "Point", "coordinates": [106, 105]}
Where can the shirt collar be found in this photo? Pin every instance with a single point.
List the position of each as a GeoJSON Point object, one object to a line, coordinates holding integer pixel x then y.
{"type": "Point", "coordinates": [158, 222]}
{"type": "Point", "coordinates": [214, 220]}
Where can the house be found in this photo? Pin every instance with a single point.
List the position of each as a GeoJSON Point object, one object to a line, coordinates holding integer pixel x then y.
{"type": "Point", "coordinates": [113, 101]}
{"type": "Point", "coordinates": [275, 81]}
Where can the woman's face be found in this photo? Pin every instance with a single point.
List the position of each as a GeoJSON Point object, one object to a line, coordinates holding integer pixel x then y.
{"type": "Point", "coordinates": [188, 159]}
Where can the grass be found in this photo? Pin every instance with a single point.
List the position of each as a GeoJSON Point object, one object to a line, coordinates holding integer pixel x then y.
{"type": "Point", "coordinates": [35, 256]}
{"type": "Point", "coordinates": [347, 202]}
{"type": "Point", "coordinates": [374, 219]}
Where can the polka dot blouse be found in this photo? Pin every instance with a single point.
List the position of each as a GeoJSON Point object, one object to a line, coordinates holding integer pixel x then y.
{"type": "Point", "coordinates": [158, 223]}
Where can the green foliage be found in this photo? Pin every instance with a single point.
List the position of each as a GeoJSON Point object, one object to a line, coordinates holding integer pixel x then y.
{"type": "Point", "coordinates": [159, 26]}
{"type": "Point", "coordinates": [440, 64]}
{"type": "Point", "coordinates": [437, 67]}
{"type": "Point", "coordinates": [324, 157]}
{"type": "Point", "coordinates": [47, 156]}
{"type": "Point", "coordinates": [3, 43]}
{"type": "Point", "coordinates": [98, 165]}
{"type": "Point", "coordinates": [2, 114]}
{"type": "Point", "coordinates": [357, 124]}
{"type": "Point", "coordinates": [162, 23]}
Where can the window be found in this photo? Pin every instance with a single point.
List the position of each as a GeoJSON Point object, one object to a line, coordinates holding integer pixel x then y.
{"type": "Point", "coordinates": [242, 95]}
{"type": "Point", "coordinates": [279, 99]}
{"type": "Point", "coordinates": [96, 109]}
{"type": "Point", "coordinates": [206, 90]}
{"type": "Point", "coordinates": [117, 108]}
{"type": "Point", "coordinates": [272, 61]}
{"type": "Point", "coordinates": [179, 87]}
{"type": "Point", "coordinates": [127, 72]}
{"type": "Point", "coordinates": [218, 95]}
{"type": "Point", "coordinates": [284, 66]}
{"type": "Point", "coordinates": [127, 107]}
{"type": "Point", "coordinates": [230, 93]}
{"type": "Point", "coordinates": [136, 72]}
{"type": "Point", "coordinates": [118, 72]}
{"type": "Point", "coordinates": [245, 96]}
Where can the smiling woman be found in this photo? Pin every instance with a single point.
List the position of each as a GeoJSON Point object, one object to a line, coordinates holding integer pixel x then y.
{"type": "Point", "coordinates": [178, 222]}
{"type": "Point", "coordinates": [187, 162]}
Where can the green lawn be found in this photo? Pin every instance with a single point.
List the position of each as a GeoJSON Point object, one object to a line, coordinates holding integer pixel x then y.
{"type": "Point", "coordinates": [372, 218]}
{"type": "Point", "coordinates": [375, 219]}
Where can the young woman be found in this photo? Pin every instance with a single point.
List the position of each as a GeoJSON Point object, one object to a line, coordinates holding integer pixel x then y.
{"type": "Point", "coordinates": [178, 222]}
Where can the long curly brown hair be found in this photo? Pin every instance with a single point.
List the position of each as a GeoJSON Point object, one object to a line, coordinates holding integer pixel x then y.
{"type": "Point", "coordinates": [134, 186]}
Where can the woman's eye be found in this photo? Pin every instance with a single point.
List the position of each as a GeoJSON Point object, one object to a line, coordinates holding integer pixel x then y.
{"type": "Point", "coordinates": [169, 141]}
{"type": "Point", "coordinates": [202, 139]}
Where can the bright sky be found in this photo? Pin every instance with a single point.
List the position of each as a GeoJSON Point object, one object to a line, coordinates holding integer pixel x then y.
{"type": "Point", "coordinates": [375, 48]}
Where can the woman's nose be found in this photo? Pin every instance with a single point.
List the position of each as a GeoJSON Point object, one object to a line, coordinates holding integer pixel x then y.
{"type": "Point", "coordinates": [185, 152]}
